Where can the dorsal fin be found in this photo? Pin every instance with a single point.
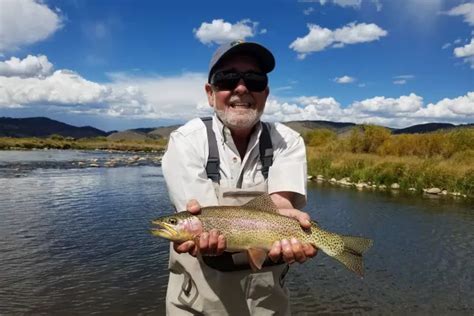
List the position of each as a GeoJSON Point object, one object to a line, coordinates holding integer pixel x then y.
{"type": "Point", "coordinates": [263, 203]}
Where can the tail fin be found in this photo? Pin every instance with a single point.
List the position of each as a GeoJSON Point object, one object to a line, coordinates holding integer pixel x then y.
{"type": "Point", "coordinates": [351, 257]}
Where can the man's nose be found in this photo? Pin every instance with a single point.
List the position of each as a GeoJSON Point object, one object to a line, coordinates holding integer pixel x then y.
{"type": "Point", "coordinates": [241, 88]}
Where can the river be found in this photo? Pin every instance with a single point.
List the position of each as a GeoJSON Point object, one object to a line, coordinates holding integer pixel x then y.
{"type": "Point", "coordinates": [76, 241]}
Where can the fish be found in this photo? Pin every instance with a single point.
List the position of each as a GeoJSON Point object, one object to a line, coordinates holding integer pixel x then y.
{"type": "Point", "coordinates": [255, 226]}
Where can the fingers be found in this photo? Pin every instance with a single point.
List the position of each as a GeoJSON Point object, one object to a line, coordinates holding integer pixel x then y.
{"type": "Point", "coordinates": [193, 207]}
{"type": "Point", "coordinates": [187, 246]}
{"type": "Point", "coordinates": [302, 217]}
{"type": "Point", "coordinates": [212, 243]}
{"type": "Point", "coordinates": [275, 252]}
{"type": "Point", "coordinates": [291, 251]}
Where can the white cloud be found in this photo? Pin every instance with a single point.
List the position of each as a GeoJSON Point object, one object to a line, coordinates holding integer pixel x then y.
{"type": "Point", "coordinates": [31, 66]}
{"type": "Point", "coordinates": [466, 52]}
{"type": "Point", "coordinates": [393, 112]}
{"type": "Point", "coordinates": [344, 79]}
{"type": "Point", "coordinates": [400, 81]}
{"type": "Point", "coordinates": [320, 38]}
{"type": "Point", "coordinates": [355, 4]}
{"type": "Point", "coordinates": [446, 45]}
{"type": "Point", "coordinates": [466, 10]}
{"type": "Point", "coordinates": [308, 11]}
{"type": "Point", "coordinates": [182, 97]}
{"type": "Point", "coordinates": [219, 31]}
{"type": "Point", "coordinates": [24, 22]}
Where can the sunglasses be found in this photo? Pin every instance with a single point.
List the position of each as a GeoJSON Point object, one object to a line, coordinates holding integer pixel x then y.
{"type": "Point", "coordinates": [228, 80]}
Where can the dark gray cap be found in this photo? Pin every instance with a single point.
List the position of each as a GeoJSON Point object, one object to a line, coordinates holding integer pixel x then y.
{"type": "Point", "coordinates": [263, 55]}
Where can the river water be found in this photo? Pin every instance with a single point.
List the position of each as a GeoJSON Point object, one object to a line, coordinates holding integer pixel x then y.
{"type": "Point", "coordinates": [77, 241]}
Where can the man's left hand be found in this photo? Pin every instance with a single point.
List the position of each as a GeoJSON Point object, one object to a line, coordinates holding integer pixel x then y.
{"type": "Point", "coordinates": [292, 250]}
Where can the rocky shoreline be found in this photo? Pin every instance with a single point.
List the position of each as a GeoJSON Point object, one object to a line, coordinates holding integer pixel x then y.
{"type": "Point", "coordinates": [346, 182]}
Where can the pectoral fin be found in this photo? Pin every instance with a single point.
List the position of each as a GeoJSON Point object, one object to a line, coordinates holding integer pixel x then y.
{"type": "Point", "coordinates": [257, 257]}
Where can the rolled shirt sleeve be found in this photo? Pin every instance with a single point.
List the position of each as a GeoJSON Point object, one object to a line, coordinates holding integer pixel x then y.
{"type": "Point", "coordinates": [184, 171]}
{"type": "Point", "coordinates": [289, 169]}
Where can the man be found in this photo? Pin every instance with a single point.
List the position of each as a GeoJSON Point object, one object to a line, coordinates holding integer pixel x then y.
{"type": "Point", "coordinates": [228, 161]}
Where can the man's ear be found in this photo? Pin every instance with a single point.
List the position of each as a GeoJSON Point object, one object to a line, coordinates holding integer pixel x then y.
{"type": "Point", "coordinates": [210, 94]}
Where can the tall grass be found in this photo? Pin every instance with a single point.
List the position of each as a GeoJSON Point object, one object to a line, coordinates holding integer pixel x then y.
{"type": "Point", "coordinates": [371, 154]}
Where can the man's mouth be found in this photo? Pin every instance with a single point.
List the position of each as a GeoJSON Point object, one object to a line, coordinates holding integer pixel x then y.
{"type": "Point", "coordinates": [241, 104]}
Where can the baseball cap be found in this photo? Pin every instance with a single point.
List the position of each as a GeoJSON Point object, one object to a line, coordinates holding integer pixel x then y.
{"type": "Point", "coordinates": [263, 55]}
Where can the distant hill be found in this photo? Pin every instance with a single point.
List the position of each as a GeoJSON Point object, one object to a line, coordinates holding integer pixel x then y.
{"type": "Point", "coordinates": [424, 128]}
{"type": "Point", "coordinates": [306, 126]}
{"type": "Point", "coordinates": [44, 127]}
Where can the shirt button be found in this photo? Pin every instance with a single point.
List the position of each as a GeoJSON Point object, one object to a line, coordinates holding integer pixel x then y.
{"type": "Point", "coordinates": [234, 160]}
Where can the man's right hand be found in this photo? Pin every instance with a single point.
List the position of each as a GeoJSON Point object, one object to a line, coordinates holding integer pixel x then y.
{"type": "Point", "coordinates": [208, 243]}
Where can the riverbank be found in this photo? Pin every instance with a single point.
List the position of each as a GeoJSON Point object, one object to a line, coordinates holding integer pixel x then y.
{"type": "Point", "coordinates": [372, 158]}
{"type": "Point", "coordinates": [95, 143]}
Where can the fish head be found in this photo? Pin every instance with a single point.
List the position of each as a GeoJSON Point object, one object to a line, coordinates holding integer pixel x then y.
{"type": "Point", "coordinates": [177, 227]}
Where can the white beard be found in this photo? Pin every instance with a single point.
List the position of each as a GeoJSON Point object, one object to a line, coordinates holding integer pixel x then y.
{"type": "Point", "coordinates": [243, 119]}
{"type": "Point", "coordinates": [238, 117]}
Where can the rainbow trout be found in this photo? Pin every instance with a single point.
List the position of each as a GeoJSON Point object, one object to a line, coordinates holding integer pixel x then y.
{"type": "Point", "coordinates": [255, 226]}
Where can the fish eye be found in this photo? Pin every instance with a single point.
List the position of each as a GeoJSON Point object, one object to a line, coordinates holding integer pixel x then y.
{"type": "Point", "coordinates": [173, 221]}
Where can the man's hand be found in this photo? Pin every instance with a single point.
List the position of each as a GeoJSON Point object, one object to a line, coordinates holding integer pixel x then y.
{"type": "Point", "coordinates": [293, 250]}
{"type": "Point", "coordinates": [209, 243]}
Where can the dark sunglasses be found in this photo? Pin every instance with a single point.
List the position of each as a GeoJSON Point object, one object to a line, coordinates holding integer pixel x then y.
{"type": "Point", "coordinates": [228, 80]}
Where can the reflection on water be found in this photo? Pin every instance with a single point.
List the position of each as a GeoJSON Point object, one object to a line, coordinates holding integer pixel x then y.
{"type": "Point", "coordinates": [76, 241]}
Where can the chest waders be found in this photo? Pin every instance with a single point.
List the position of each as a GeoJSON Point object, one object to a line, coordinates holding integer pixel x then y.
{"type": "Point", "coordinates": [225, 285]}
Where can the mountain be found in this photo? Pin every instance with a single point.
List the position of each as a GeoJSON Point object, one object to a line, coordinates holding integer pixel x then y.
{"type": "Point", "coordinates": [306, 126]}
{"type": "Point", "coordinates": [423, 128]}
{"type": "Point", "coordinates": [44, 127]}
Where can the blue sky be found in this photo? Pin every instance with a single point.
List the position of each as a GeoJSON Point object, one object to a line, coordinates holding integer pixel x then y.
{"type": "Point", "coordinates": [124, 64]}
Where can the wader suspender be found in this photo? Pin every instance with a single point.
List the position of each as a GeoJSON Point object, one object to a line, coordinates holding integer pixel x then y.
{"type": "Point", "coordinates": [212, 166]}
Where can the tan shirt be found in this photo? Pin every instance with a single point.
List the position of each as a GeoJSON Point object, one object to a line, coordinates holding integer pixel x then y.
{"type": "Point", "coordinates": [184, 163]}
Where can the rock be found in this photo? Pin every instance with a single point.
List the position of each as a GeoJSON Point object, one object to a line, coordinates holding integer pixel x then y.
{"type": "Point", "coordinates": [444, 192]}
{"type": "Point", "coordinates": [361, 185]}
{"type": "Point", "coordinates": [395, 186]}
{"type": "Point", "coordinates": [411, 189]}
{"type": "Point", "coordinates": [93, 165]}
{"type": "Point", "coordinates": [333, 180]}
{"type": "Point", "coordinates": [320, 177]}
{"type": "Point", "coordinates": [455, 193]}
{"type": "Point", "coordinates": [432, 191]}
{"type": "Point", "coordinates": [382, 187]}
{"type": "Point", "coordinates": [310, 178]}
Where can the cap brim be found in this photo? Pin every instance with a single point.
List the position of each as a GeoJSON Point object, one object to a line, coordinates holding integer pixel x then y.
{"type": "Point", "coordinates": [264, 57]}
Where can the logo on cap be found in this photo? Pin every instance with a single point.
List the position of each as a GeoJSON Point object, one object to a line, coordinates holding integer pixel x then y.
{"type": "Point", "coordinates": [237, 42]}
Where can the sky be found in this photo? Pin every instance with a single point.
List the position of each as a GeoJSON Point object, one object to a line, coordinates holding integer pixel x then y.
{"type": "Point", "coordinates": [121, 64]}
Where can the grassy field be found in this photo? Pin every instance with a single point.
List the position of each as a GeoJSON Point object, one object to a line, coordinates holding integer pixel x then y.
{"type": "Point", "coordinates": [443, 160]}
{"type": "Point", "coordinates": [60, 142]}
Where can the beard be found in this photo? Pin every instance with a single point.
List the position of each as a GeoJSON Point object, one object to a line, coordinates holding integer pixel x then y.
{"type": "Point", "coordinates": [239, 117]}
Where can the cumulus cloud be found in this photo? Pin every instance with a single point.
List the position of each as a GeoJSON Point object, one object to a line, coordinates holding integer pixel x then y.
{"type": "Point", "coordinates": [219, 31]}
{"type": "Point", "coordinates": [466, 10]}
{"type": "Point", "coordinates": [320, 38]}
{"type": "Point", "coordinates": [31, 66]}
{"type": "Point", "coordinates": [344, 79]}
{"type": "Point", "coordinates": [31, 83]}
{"type": "Point", "coordinates": [182, 97]}
{"type": "Point", "coordinates": [466, 52]}
{"type": "Point", "coordinates": [24, 22]}
{"type": "Point", "coordinates": [393, 112]}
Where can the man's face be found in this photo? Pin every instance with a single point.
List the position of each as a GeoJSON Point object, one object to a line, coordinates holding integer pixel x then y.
{"type": "Point", "coordinates": [239, 108]}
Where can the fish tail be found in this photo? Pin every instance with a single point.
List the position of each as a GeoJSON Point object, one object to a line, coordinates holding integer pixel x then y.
{"type": "Point", "coordinates": [351, 257]}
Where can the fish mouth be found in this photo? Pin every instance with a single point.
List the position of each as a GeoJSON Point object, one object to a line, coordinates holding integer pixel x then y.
{"type": "Point", "coordinates": [164, 230]}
